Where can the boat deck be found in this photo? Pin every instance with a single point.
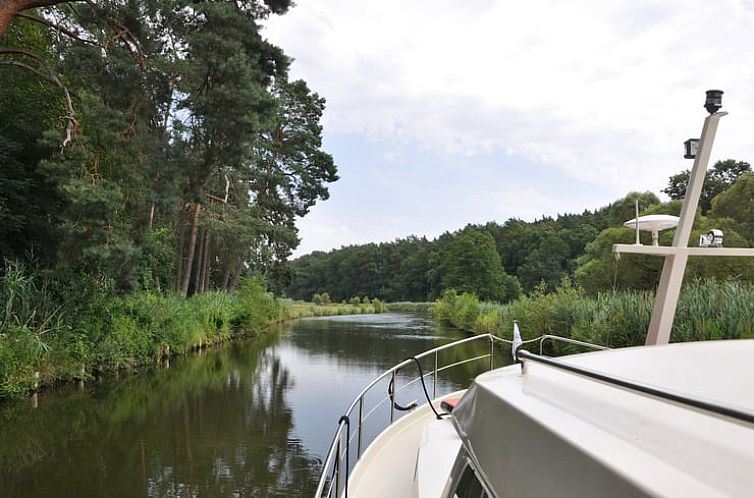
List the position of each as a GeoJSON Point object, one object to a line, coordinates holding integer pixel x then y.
{"type": "Point", "coordinates": [559, 434]}
{"type": "Point", "coordinates": [417, 444]}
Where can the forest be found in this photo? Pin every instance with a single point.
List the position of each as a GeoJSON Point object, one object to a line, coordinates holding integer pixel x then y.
{"type": "Point", "coordinates": [500, 263]}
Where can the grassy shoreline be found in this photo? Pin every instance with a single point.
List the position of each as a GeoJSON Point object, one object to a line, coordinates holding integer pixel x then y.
{"type": "Point", "coordinates": [43, 343]}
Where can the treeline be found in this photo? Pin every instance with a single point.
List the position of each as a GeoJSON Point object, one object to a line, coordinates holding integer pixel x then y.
{"type": "Point", "coordinates": [503, 262]}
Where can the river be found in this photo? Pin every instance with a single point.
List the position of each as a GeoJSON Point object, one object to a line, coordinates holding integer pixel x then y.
{"type": "Point", "coordinates": [252, 418]}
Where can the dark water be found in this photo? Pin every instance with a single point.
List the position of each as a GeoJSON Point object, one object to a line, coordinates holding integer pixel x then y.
{"type": "Point", "coordinates": [254, 418]}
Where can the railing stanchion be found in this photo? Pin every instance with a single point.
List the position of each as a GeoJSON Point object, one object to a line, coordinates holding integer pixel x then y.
{"type": "Point", "coordinates": [434, 379]}
{"type": "Point", "coordinates": [337, 468]}
{"type": "Point", "coordinates": [492, 352]}
{"type": "Point", "coordinates": [361, 424]}
{"type": "Point", "coordinates": [392, 399]}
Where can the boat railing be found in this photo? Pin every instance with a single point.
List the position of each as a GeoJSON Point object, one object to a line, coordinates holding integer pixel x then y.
{"type": "Point", "coordinates": [566, 340]}
{"type": "Point", "coordinates": [350, 431]}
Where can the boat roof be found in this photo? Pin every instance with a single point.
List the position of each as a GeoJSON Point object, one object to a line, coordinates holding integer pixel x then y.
{"type": "Point", "coordinates": [546, 432]}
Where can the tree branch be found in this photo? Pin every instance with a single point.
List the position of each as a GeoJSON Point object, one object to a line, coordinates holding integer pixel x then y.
{"type": "Point", "coordinates": [70, 116]}
{"type": "Point", "coordinates": [131, 42]}
{"type": "Point", "coordinates": [56, 27]}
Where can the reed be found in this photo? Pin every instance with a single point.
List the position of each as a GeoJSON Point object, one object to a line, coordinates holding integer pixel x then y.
{"type": "Point", "coordinates": [410, 307]}
{"type": "Point", "coordinates": [707, 310]}
{"type": "Point", "coordinates": [46, 337]}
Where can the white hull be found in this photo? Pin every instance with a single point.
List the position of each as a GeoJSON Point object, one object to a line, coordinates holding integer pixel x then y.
{"type": "Point", "coordinates": [545, 433]}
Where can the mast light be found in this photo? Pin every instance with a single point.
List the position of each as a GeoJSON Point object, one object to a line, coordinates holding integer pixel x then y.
{"type": "Point", "coordinates": [714, 101]}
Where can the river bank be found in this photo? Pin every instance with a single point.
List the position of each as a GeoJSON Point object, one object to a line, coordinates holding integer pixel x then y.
{"type": "Point", "coordinates": [47, 340]}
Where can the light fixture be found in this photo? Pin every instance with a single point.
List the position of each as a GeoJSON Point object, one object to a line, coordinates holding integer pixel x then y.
{"type": "Point", "coordinates": [692, 147]}
{"type": "Point", "coordinates": [713, 238]}
{"type": "Point", "coordinates": [714, 101]}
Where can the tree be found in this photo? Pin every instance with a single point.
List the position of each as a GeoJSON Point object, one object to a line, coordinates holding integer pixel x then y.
{"type": "Point", "coordinates": [599, 270]}
{"type": "Point", "coordinates": [718, 179]}
{"type": "Point", "coordinates": [737, 203]}
{"type": "Point", "coordinates": [472, 264]}
{"type": "Point", "coordinates": [190, 153]}
{"type": "Point", "coordinates": [624, 209]}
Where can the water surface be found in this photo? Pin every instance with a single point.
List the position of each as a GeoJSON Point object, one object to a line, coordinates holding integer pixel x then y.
{"type": "Point", "coordinates": [253, 418]}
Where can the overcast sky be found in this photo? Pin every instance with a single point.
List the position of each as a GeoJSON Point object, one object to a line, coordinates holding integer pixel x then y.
{"type": "Point", "coordinates": [445, 113]}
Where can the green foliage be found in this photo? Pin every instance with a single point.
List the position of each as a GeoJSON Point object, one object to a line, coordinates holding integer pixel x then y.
{"type": "Point", "coordinates": [707, 310]}
{"type": "Point", "coordinates": [471, 264]}
{"type": "Point", "coordinates": [600, 270]}
{"type": "Point", "coordinates": [737, 204]}
{"type": "Point", "coordinates": [42, 342]}
{"type": "Point", "coordinates": [379, 306]}
{"type": "Point", "coordinates": [411, 307]}
{"type": "Point", "coordinates": [206, 123]}
{"type": "Point", "coordinates": [718, 179]}
{"type": "Point", "coordinates": [29, 204]}
{"type": "Point", "coordinates": [322, 299]}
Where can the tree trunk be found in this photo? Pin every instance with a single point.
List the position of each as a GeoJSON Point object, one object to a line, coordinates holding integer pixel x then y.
{"type": "Point", "coordinates": [226, 278]}
{"type": "Point", "coordinates": [181, 246]}
{"type": "Point", "coordinates": [191, 250]}
{"type": "Point", "coordinates": [151, 215]}
{"type": "Point", "coordinates": [207, 269]}
{"type": "Point", "coordinates": [198, 277]}
{"type": "Point", "coordinates": [204, 285]}
{"type": "Point", "coordinates": [8, 9]}
{"type": "Point", "coordinates": [202, 260]}
{"type": "Point", "coordinates": [236, 276]}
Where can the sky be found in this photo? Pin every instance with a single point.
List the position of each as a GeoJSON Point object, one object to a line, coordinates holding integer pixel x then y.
{"type": "Point", "coordinates": [442, 113]}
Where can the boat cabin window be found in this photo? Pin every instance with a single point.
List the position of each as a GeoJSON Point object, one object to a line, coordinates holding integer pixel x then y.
{"type": "Point", "coordinates": [469, 485]}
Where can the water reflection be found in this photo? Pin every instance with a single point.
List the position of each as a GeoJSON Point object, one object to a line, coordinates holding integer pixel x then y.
{"type": "Point", "coordinates": [252, 419]}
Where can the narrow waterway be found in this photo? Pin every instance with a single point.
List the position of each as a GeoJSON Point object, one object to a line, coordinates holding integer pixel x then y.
{"type": "Point", "coordinates": [253, 418]}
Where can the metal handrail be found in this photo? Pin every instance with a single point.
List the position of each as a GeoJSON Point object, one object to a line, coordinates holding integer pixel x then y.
{"type": "Point", "coordinates": [567, 340]}
{"type": "Point", "coordinates": [640, 387]}
{"type": "Point", "coordinates": [333, 459]}
{"type": "Point", "coordinates": [331, 479]}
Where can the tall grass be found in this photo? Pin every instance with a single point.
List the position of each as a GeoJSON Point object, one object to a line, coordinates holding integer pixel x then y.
{"type": "Point", "coordinates": [57, 330]}
{"type": "Point", "coordinates": [410, 307]}
{"type": "Point", "coordinates": [706, 310]}
{"type": "Point", "coordinates": [53, 331]}
{"type": "Point", "coordinates": [301, 309]}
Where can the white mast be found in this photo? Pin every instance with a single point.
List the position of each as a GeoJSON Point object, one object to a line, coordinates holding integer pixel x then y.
{"type": "Point", "coordinates": [677, 255]}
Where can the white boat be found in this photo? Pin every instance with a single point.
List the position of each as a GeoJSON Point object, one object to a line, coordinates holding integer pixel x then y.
{"type": "Point", "coordinates": [662, 420]}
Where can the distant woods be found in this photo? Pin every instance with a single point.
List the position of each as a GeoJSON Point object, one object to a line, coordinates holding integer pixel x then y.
{"type": "Point", "coordinates": [154, 144]}
{"type": "Point", "coordinates": [501, 262]}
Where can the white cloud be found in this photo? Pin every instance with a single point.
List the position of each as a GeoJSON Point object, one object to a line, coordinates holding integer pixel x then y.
{"type": "Point", "coordinates": [605, 91]}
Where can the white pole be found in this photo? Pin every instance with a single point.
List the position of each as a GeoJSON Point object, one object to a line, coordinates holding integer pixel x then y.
{"type": "Point", "coordinates": [669, 289]}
